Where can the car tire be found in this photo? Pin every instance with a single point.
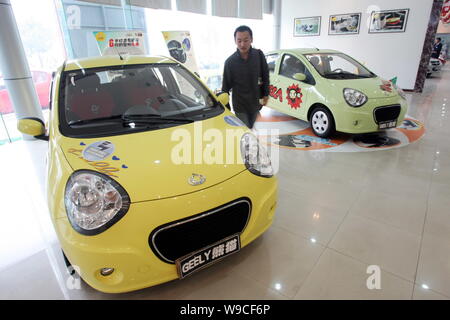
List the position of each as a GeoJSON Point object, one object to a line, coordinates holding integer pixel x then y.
{"type": "Point", "coordinates": [322, 122]}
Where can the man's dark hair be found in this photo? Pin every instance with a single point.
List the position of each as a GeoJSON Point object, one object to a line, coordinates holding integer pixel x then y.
{"type": "Point", "coordinates": [243, 29]}
{"type": "Point", "coordinates": [438, 39]}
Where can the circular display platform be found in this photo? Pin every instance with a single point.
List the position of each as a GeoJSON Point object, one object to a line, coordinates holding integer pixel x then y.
{"type": "Point", "coordinates": [277, 129]}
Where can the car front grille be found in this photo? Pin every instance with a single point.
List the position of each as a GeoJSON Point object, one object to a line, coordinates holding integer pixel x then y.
{"type": "Point", "coordinates": [179, 238]}
{"type": "Point", "coordinates": [386, 113]}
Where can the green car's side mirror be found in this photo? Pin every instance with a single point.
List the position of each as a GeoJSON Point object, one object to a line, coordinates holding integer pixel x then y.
{"type": "Point", "coordinates": [299, 76]}
{"type": "Point", "coordinates": [224, 99]}
{"type": "Point", "coordinates": [32, 126]}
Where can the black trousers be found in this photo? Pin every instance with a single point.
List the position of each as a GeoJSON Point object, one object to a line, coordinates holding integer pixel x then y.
{"type": "Point", "coordinates": [247, 118]}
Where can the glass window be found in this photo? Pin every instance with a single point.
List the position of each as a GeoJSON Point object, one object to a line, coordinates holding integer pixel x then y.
{"type": "Point", "coordinates": [292, 65]}
{"type": "Point", "coordinates": [271, 61]}
{"type": "Point", "coordinates": [105, 101]}
{"type": "Point", "coordinates": [40, 77]}
{"type": "Point", "coordinates": [338, 66]}
{"type": "Point", "coordinates": [211, 36]}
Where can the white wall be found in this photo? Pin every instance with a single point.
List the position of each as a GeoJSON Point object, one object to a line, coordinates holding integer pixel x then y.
{"type": "Point", "coordinates": [386, 54]}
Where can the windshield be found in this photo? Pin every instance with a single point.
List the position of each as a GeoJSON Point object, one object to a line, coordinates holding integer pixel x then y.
{"type": "Point", "coordinates": [338, 66]}
{"type": "Point", "coordinates": [126, 99]}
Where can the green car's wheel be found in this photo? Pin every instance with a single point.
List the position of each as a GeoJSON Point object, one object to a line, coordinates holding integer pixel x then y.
{"type": "Point", "coordinates": [322, 122]}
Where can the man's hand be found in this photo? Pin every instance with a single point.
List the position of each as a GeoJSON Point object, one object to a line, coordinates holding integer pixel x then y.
{"type": "Point", "coordinates": [264, 100]}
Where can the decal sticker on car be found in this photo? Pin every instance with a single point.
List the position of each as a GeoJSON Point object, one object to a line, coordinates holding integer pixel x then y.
{"type": "Point", "coordinates": [100, 166]}
{"type": "Point", "coordinates": [98, 151]}
{"type": "Point", "coordinates": [276, 93]}
{"type": "Point", "coordinates": [386, 86]}
{"type": "Point", "coordinates": [294, 96]}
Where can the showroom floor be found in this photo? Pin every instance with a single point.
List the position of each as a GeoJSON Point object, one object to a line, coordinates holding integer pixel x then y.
{"type": "Point", "coordinates": [341, 215]}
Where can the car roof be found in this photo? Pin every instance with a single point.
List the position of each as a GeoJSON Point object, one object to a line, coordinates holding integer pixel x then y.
{"type": "Point", "coordinates": [106, 61]}
{"type": "Point", "coordinates": [300, 51]}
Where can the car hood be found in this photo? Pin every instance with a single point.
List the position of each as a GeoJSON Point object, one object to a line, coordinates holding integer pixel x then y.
{"type": "Point", "coordinates": [143, 163]}
{"type": "Point", "coordinates": [371, 87]}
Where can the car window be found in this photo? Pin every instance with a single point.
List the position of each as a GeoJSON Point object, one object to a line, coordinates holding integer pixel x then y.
{"type": "Point", "coordinates": [338, 66]}
{"type": "Point", "coordinates": [2, 83]}
{"type": "Point", "coordinates": [271, 61]}
{"type": "Point", "coordinates": [291, 65]}
{"type": "Point", "coordinates": [188, 89]}
{"type": "Point", "coordinates": [95, 100]}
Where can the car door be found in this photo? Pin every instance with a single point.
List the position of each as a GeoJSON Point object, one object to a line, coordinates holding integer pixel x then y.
{"type": "Point", "coordinates": [294, 92]}
{"type": "Point", "coordinates": [275, 93]}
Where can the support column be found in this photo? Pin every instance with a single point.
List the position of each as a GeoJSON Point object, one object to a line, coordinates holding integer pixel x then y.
{"type": "Point", "coordinates": [276, 9]}
{"type": "Point", "coordinates": [15, 69]}
{"type": "Point", "coordinates": [433, 23]}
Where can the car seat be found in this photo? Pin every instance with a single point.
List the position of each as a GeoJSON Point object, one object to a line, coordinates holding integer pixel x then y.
{"type": "Point", "coordinates": [88, 100]}
{"type": "Point", "coordinates": [146, 89]}
{"type": "Point", "coordinates": [315, 61]}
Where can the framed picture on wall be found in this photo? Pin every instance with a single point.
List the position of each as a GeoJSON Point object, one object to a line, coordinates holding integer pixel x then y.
{"type": "Point", "coordinates": [388, 21]}
{"type": "Point", "coordinates": [308, 26]}
{"type": "Point", "coordinates": [344, 23]}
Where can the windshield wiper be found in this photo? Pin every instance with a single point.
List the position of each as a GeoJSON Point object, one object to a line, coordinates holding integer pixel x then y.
{"type": "Point", "coordinates": [152, 118]}
{"type": "Point", "coordinates": [88, 121]}
{"type": "Point", "coordinates": [132, 118]}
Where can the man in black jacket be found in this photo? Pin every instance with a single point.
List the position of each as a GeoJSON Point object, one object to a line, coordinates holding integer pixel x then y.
{"type": "Point", "coordinates": [246, 74]}
{"type": "Point", "coordinates": [437, 47]}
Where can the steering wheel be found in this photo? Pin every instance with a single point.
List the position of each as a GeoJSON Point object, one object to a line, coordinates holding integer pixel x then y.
{"type": "Point", "coordinates": [335, 70]}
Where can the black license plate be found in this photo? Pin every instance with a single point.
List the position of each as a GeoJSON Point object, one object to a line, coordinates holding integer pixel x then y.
{"type": "Point", "coordinates": [387, 124]}
{"type": "Point", "coordinates": [207, 256]}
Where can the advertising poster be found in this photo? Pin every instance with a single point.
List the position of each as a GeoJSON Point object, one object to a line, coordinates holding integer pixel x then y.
{"type": "Point", "coordinates": [120, 42]}
{"type": "Point", "coordinates": [388, 21]}
{"type": "Point", "coordinates": [445, 14]}
{"type": "Point", "coordinates": [309, 26]}
{"type": "Point", "coordinates": [344, 23]}
{"type": "Point", "coordinates": [180, 48]}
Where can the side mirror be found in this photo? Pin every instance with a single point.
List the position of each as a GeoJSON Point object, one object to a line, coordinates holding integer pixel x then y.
{"type": "Point", "coordinates": [299, 76]}
{"type": "Point", "coordinates": [224, 99]}
{"type": "Point", "coordinates": [32, 126]}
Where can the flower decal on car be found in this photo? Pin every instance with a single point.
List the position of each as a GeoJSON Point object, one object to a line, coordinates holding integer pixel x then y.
{"type": "Point", "coordinates": [386, 86]}
{"type": "Point", "coordinates": [294, 96]}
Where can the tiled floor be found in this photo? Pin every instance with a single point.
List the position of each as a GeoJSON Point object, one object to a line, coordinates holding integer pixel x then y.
{"type": "Point", "coordinates": [338, 214]}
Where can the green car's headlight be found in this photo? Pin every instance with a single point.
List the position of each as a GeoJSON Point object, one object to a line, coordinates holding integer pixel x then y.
{"type": "Point", "coordinates": [94, 202]}
{"type": "Point", "coordinates": [354, 98]}
{"type": "Point", "coordinates": [401, 93]}
{"type": "Point", "coordinates": [255, 156]}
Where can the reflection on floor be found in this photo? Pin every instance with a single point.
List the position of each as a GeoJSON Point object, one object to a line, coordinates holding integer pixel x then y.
{"type": "Point", "coordinates": [340, 216]}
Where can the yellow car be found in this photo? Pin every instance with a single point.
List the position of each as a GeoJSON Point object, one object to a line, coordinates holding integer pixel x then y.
{"type": "Point", "coordinates": [143, 186]}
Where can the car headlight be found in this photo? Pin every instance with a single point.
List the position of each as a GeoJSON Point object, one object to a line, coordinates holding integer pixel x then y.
{"type": "Point", "coordinates": [401, 93]}
{"type": "Point", "coordinates": [255, 156]}
{"type": "Point", "coordinates": [94, 202]}
{"type": "Point", "coordinates": [354, 97]}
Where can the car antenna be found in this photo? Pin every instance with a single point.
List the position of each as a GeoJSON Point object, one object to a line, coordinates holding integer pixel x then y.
{"type": "Point", "coordinates": [121, 58]}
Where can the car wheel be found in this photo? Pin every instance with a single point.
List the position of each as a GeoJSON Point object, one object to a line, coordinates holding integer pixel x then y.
{"type": "Point", "coordinates": [322, 122]}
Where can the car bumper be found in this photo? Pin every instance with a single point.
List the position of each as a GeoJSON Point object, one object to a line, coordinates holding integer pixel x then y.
{"type": "Point", "coordinates": [125, 246]}
{"type": "Point", "coordinates": [362, 119]}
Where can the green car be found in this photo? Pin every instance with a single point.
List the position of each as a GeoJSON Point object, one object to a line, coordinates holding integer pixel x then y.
{"type": "Point", "coordinates": [333, 92]}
